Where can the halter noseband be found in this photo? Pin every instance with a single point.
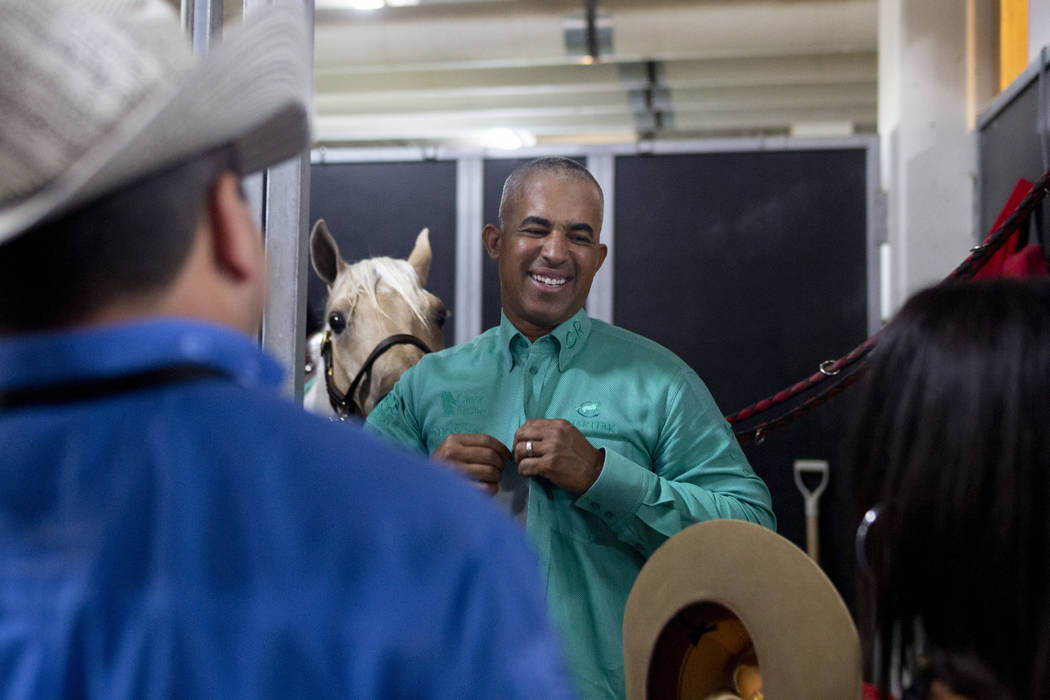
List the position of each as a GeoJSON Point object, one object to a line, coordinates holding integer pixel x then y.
{"type": "Point", "coordinates": [344, 404]}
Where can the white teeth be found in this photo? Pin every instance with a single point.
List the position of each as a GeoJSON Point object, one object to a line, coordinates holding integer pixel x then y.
{"type": "Point", "coordinates": [549, 281]}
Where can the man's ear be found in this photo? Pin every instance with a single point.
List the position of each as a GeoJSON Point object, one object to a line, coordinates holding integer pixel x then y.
{"type": "Point", "coordinates": [492, 236]}
{"type": "Point", "coordinates": [604, 251]}
{"type": "Point", "coordinates": [236, 241]}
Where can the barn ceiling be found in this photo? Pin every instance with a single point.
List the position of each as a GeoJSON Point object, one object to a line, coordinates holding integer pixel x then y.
{"type": "Point", "coordinates": [475, 72]}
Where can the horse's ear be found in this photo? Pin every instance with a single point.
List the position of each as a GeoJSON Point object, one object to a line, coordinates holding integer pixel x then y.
{"type": "Point", "coordinates": [419, 258]}
{"type": "Point", "coordinates": [324, 253]}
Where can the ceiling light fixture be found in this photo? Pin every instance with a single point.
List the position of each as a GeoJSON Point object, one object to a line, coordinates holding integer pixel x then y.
{"type": "Point", "coordinates": [348, 4]}
{"type": "Point", "coordinates": [507, 139]}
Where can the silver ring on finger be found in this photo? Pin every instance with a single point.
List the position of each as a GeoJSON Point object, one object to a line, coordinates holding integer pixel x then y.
{"type": "Point", "coordinates": [528, 448]}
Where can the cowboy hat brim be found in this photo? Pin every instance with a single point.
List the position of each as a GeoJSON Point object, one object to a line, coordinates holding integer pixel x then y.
{"type": "Point", "coordinates": [251, 92]}
{"type": "Point", "coordinates": [716, 575]}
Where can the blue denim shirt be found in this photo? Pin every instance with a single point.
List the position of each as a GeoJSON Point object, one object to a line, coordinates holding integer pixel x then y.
{"type": "Point", "coordinates": [206, 538]}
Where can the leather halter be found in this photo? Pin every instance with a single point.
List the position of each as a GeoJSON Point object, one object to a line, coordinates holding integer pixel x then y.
{"type": "Point", "coordinates": [344, 404]}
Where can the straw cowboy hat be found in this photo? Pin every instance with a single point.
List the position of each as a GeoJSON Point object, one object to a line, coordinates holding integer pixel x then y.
{"type": "Point", "coordinates": [723, 597]}
{"type": "Point", "coordinates": [95, 94]}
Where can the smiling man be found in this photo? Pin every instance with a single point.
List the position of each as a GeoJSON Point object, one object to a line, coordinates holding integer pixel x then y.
{"type": "Point", "coordinates": [601, 442]}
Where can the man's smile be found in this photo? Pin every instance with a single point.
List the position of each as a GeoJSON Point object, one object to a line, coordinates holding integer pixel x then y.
{"type": "Point", "coordinates": [548, 280]}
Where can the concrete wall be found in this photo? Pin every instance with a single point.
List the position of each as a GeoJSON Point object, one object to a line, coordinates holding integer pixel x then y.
{"type": "Point", "coordinates": [936, 67]}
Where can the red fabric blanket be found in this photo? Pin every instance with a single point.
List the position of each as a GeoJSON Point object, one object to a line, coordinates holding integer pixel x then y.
{"type": "Point", "coordinates": [1012, 259]}
{"type": "Point", "coordinates": [871, 693]}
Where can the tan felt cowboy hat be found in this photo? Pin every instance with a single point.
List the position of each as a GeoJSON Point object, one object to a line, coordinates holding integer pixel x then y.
{"type": "Point", "coordinates": [724, 596]}
{"type": "Point", "coordinates": [95, 94]}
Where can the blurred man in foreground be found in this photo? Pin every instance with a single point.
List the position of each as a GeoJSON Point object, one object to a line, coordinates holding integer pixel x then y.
{"type": "Point", "coordinates": [170, 527]}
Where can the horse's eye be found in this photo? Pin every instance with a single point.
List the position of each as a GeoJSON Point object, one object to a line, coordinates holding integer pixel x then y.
{"type": "Point", "coordinates": [336, 322]}
{"type": "Point", "coordinates": [440, 315]}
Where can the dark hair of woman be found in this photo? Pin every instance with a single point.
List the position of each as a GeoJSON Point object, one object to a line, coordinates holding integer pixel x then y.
{"type": "Point", "coordinates": [952, 445]}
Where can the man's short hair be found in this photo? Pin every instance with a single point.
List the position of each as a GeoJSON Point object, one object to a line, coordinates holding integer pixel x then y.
{"type": "Point", "coordinates": [550, 165]}
{"type": "Point", "coordinates": [127, 243]}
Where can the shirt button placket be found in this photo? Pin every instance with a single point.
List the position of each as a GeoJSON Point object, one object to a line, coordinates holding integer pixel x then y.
{"type": "Point", "coordinates": [526, 384]}
{"type": "Point", "coordinates": [533, 382]}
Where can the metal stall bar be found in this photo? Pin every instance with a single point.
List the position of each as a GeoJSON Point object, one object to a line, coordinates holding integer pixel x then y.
{"type": "Point", "coordinates": [600, 300]}
{"type": "Point", "coordinates": [281, 195]}
{"type": "Point", "coordinates": [469, 222]}
{"type": "Point", "coordinates": [202, 20]}
{"type": "Point", "coordinates": [287, 217]}
{"type": "Point", "coordinates": [878, 235]}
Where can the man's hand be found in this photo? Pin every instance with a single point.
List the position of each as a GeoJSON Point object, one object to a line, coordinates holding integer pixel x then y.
{"type": "Point", "coordinates": [560, 453]}
{"type": "Point", "coordinates": [477, 456]}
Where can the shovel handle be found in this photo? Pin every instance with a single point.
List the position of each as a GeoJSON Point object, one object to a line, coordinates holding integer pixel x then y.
{"type": "Point", "coordinates": [811, 499]}
{"type": "Point", "coordinates": [811, 537]}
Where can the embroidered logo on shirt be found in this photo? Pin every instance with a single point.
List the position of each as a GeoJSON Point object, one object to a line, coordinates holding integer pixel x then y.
{"type": "Point", "coordinates": [573, 336]}
{"type": "Point", "coordinates": [588, 409]}
{"type": "Point", "coordinates": [462, 403]}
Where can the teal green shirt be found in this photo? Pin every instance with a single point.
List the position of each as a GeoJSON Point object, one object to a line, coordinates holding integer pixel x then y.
{"type": "Point", "coordinates": [671, 460]}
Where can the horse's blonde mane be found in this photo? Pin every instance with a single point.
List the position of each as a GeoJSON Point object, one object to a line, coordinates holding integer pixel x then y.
{"type": "Point", "coordinates": [363, 277]}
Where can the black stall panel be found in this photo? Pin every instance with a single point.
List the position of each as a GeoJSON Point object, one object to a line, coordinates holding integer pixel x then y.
{"type": "Point", "coordinates": [378, 209]}
{"type": "Point", "coordinates": [496, 171]}
{"type": "Point", "coordinates": [752, 266]}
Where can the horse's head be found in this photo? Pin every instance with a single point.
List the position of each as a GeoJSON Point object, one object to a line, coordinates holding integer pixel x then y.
{"type": "Point", "coordinates": [369, 302]}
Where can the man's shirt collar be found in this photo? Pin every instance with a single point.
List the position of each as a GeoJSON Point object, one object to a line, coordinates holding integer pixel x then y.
{"type": "Point", "coordinates": [569, 338]}
{"type": "Point", "coordinates": [105, 351]}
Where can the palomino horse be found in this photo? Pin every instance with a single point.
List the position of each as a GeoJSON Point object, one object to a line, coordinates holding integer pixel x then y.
{"type": "Point", "coordinates": [379, 320]}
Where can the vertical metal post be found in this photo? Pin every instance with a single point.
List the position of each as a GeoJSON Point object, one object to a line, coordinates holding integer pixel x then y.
{"type": "Point", "coordinates": [202, 20]}
{"type": "Point", "coordinates": [469, 222]}
{"type": "Point", "coordinates": [879, 298]}
{"type": "Point", "coordinates": [600, 300]}
{"type": "Point", "coordinates": [287, 205]}
{"type": "Point", "coordinates": [284, 191]}
{"type": "Point", "coordinates": [590, 15]}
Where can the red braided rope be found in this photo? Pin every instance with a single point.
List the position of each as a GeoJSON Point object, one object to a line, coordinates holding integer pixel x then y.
{"type": "Point", "coordinates": [758, 432]}
{"type": "Point", "coordinates": [979, 255]}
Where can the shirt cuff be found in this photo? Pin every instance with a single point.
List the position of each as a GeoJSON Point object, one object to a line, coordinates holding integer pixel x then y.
{"type": "Point", "coordinates": [619, 489]}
